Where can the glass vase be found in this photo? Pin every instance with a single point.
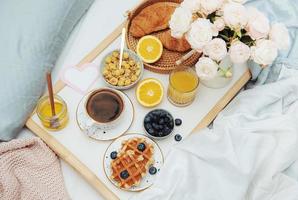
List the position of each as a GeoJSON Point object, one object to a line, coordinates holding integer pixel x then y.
{"type": "Point", "coordinates": [223, 77]}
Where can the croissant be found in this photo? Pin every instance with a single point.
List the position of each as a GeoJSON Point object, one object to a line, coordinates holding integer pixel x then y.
{"type": "Point", "coordinates": [173, 44]}
{"type": "Point", "coordinates": [153, 18]}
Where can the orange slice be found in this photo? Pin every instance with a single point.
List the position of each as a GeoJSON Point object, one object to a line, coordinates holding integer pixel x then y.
{"type": "Point", "coordinates": [149, 92]}
{"type": "Point", "coordinates": [149, 48]}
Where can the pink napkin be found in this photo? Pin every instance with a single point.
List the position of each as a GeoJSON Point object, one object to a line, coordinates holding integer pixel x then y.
{"type": "Point", "coordinates": [30, 170]}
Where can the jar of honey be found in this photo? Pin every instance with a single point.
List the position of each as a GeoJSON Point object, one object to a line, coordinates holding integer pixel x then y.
{"type": "Point", "coordinates": [44, 112]}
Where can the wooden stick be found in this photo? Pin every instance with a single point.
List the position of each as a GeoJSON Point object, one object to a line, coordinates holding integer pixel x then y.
{"type": "Point", "coordinates": [185, 57]}
{"type": "Point", "coordinates": [51, 94]}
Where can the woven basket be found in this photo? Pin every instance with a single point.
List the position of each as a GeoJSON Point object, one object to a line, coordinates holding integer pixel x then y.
{"type": "Point", "coordinates": [167, 62]}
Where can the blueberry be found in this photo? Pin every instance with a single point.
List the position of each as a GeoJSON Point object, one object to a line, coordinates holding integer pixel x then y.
{"type": "Point", "coordinates": [157, 119]}
{"type": "Point", "coordinates": [171, 124]}
{"type": "Point", "coordinates": [161, 121]}
{"type": "Point", "coordinates": [113, 155]}
{"type": "Point", "coordinates": [158, 112]}
{"type": "Point", "coordinates": [148, 126]}
{"type": "Point", "coordinates": [178, 137]}
{"type": "Point", "coordinates": [159, 127]}
{"type": "Point", "coordinates": [124, 174]}
{"type": "Point", "coordinates": [150, 115]}
{"type": "Point", "coordinates": [169, 116]}
{"type": "Point", "coordinates": [152, 170]}
{"type": "Point", "coordinates": [154, 118]}
{"type": "Point", "coordinates": [167, 130]}
{"type": "Point", "coordinates": [147, 119]}
{"type": "Point", "coordinates": [178, 122]}
{"type": "Point", "coordinates": [154, 112]}
{"type": "Point", "coordinates": [150, 131]}
{"type": "Point", "coordinates": [159, 134]}
{"type": "Point", "coordinates": [155, 126]}
{"type": "Point", "coordinates": [163, 114]}
{"type": "Point", "coordinates": [166, 119]}
{"type": "Point", "coordinates": [141, 147]}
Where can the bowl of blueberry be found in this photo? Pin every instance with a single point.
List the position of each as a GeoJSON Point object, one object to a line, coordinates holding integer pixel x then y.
{"type": "Point", "coordinates": [159, 124]}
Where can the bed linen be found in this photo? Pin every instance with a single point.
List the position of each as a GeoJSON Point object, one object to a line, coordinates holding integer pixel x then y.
{"type": "Point", "coordinates": [250, 152]}
{"type": "Point", "coordinates": [32, 35]}
{"type": "Point", "coordinates": [29, 170]}
{"type": "Point", "coordinates": [285, 11]}
{"type": "Point", "coordinates": [244, 156]}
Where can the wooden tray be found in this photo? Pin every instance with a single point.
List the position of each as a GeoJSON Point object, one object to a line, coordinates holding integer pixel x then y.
{"type": "Point", "coordinates": [167, 62]}
{"type": "Point", "coordinates": [70, 158]}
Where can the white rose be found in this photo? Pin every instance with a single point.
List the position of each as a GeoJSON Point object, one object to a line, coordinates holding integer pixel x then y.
{"type": "Point", "coordinates": [237, 1]}
{"type": "Point", "coordinates": [180, 22]}
{"type": "Point", "coordinates": [219, 23]}
{"type": "Point", "coordinates": [258, 24]}
{"type": "Point", "coordinates": [206, 68]}
{"type": "Point", "coordinates": [279, 34]}
{"type": "Point", "coordinates": [264, 53]}
{"type": "Point", "coordinates": [239, 52]}
{"type": "Point", "coordinates": [210, 6]}
{"type": "Point", "coordinates": [192, 5]}
{"type": "Point", "coordinates": [200, 33]}
{"type": "Point", "coordinates": [216, 49]}
{"type": "Point", "coordinates": [235, 15]}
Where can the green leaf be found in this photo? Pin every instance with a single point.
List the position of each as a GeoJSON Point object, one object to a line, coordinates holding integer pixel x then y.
{"type": "Point", "coordinates": [239, 34]}
{"type": "Point", "coordinates": [247, 40]}
{"type": "Point", "coordinates": [226, 38]}
{"type": "Point", "coordinates": [211, 17]}
{"type": "Point", "coordinates": [222, 72]}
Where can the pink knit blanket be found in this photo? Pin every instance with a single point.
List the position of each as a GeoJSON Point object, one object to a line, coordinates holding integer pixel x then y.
{"type": "Point", "coordinates": [29, 170]}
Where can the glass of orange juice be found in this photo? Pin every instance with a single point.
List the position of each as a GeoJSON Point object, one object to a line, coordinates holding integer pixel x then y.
{"type": "Point", "coordinates": [183, 85]}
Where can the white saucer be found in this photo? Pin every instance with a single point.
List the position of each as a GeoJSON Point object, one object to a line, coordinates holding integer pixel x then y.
{"type": "Point", "coordinates": [87, 126]}
{"type": "Point", "coordinates": [148, 179]}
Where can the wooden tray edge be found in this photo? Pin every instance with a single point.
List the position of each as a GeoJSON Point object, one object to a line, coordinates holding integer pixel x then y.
{"type": "Point", "coordinates": [72, 160]}
{"type": "Point", "coordinates": [223, 102]}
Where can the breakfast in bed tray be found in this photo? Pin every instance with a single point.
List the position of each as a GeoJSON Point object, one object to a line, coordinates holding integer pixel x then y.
{"type": "Point", "coordinates": [132, 161]}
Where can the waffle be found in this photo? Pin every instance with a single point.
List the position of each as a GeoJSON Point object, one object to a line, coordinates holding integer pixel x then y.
{"type": "Point", "coordinates": [134, 161]}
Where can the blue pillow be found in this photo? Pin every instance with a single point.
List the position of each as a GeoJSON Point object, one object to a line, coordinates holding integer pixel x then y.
{"type": "Point", "coordinates": [32, 35]}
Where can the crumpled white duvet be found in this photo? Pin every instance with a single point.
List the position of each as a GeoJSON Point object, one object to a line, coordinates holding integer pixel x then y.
{"type": "Point", "coordinates": [244, 156]}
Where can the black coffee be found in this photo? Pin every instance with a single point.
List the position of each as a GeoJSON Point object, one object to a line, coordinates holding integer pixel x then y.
{"type": "Point", "coordinates": [104, 106]}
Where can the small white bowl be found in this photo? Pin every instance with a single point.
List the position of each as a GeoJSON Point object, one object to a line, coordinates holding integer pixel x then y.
{"type": "Point", "coordinates": [134, 56]}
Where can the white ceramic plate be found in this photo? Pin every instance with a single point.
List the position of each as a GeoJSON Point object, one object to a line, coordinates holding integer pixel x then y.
{"type": "Point", "coordinates": [147, 180]}
{"type": "Point", "coordinates": [87, 126]}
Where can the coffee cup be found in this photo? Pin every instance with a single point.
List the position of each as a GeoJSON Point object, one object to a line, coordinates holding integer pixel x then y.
{"type": "Point", "coordinates": [105, 108]}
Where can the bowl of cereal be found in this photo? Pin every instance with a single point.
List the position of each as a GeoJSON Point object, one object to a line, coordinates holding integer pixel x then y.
{"type": "Point", "coordinates": [125, 77]}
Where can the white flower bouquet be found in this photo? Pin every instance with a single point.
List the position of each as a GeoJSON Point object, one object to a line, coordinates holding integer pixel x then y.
{"type": "Point", "coordinates": [221, 28]}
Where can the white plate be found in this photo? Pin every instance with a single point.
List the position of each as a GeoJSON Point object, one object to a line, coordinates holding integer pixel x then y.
{"type": "Point", "coordinates": [87, 126]}
{"type": "Point", "coordinates": [148, 179]}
